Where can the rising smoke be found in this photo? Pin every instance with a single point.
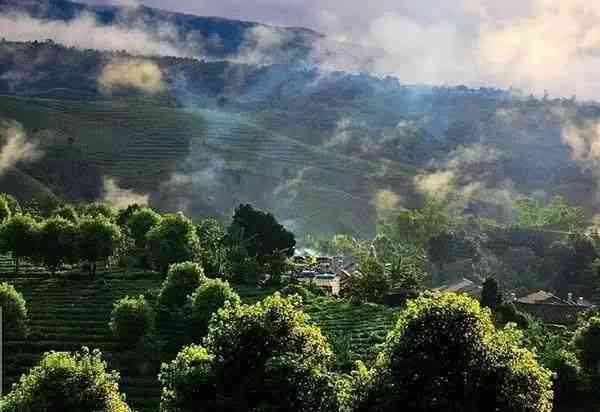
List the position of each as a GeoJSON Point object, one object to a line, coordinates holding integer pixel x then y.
{"type": "Point", "coordinates": [142, 75]}
{"type": "Point", "coordinates": [16, 147]}
{"type": "Point", "coordinates": [121, 198]}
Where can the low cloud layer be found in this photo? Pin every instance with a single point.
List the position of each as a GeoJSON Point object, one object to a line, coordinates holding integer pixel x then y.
{"type": "Point", "coordinates": [536, 45]}
{"type": "Point", "coordinates": [142, 75]}
{"type": "Point", "coordinates": [86, 33]}
{"type": "Point", "coordinates": [16, 148]}
{"type": "Point", "coordinates": [121, 198]}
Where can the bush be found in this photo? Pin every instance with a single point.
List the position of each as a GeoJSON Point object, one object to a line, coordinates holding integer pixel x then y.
{"type": "Point", "coordinates": [445, 355]}
{"type": "Point", "coordinates": [297, 289]}
{"type": "Point", "coordinates": [14, 312]}
{"type": "Point", "coordinates": [264, 357]}
{"type": "Point", "coordinates": [182, 280]}
{"type": "Point", "coordinates": [132, 319]}
{"type": "Point", "coordinates": [208, 298]}
{"type": "Point", "coordinates": [67, 383]}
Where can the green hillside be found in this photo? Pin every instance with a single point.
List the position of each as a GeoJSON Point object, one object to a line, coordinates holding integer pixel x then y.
{"type": "Point", "coordinates": [68, 313]}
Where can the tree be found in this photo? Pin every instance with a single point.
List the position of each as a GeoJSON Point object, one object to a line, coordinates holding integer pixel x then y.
{"type": "Point", "coordinates": [212, 248]}
{"type": "Point", "coordinates": [99, 209]}
{"type": "Point", "coordinates": [5, 211]}
{"type": "Point", "coordinates": [587, 344]}
{"type": "Point", "coordinates": [140, 222]}
{"type": "Point", "coordinates": [173, 240]}
{"type": "Point", "coordinates": [371, 282]}
{"type": "Point", "coordinates": [558, 214]}
{"type": "Point", "coordinates": [14, 312]}
{"type": "Point", "coordinates": [18, 235]}
{"type": "Point", "coordinates": [68, 212]}
{"type": "Point", "coordinates": [124, 214]}
{"type": "Point", "coordinates": [263, 237]}
{"type": "Point", "coordinates": [206, 300]}
{"type": "Point", "coordinates": [131, 320]}
{"type": "Point", "coordinates": [12, 203]}
{"type": "Point", "coordinates": [445, 355]}
{"type": "Point", "coordinates": [68, 383]}
{"type": "Point", "coordinates": [98, 239]}
{"type": "Point", "coordinates": [264, 357]}
{"type": "Point", "coordinates": [58, 240]}
{"type": "Point", "coordinates": [182, 280]}
{"type": "Point", "coordinates": [490, 294]}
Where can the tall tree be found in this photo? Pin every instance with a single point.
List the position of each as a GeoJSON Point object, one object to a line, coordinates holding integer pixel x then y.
{"type": "Point", "coordinates": [173, 240]}
{"type": "Point", "coordinates": [19, 236]}
{"type": "Point", "coordinates": [58, 239]}
{"type": "Point", "coordinates": [490, 294]}
{"type": "Point", "coordinates": [98, 239]}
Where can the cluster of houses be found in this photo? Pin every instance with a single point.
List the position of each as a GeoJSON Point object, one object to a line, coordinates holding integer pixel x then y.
{"type": "Point", "coordinates": [542, 304]}
{"type": "Point", "coordinates": [326, 272]}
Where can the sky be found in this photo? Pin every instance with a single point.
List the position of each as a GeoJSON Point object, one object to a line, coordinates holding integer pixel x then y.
{"type": "Point", "coordinates": [533, 45]}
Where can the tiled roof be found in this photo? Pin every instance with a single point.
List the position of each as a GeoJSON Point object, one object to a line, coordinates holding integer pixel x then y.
{"type": "Point", "coordinates": [541, 297]}
{"type": "Point", "coordinates": [560, 314]}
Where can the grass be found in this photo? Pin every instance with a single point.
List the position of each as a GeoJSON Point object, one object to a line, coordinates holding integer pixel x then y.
{"type": "Point", "coordinates": [67, 313]}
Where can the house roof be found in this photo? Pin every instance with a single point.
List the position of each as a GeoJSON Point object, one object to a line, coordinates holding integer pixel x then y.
{"type": "Point", "coordinates": [541, 296]}
{"type": "Point", "coordinates": [462, 286]}
{"type": "Point", "coordinates": [560, 314]}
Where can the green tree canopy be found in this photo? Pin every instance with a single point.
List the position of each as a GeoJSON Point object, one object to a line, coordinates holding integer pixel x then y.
{"type": "Point", "coordinates": [490, 294]}
{"type": "Point", "coordinates": [256, 358]}
{"type": "Point", "coordinates": [14, 312]}
{"type": "Point", "coordinates": [140, 222]}
{"type": "Point", "coordinates": [182, 280]}
{"type": "Point", "coordinates": [173, 240]}
{"type": "Point", "coordinates": [263, 237]}
{"type": "Point", "coordinates": [19, 236]}
{"type": "Point", "coordinates": [557, 214]}
{"type": "Point", "coordinates": [445, 355]}
{"type": "Point", "coordinates": [67, 383]}
{"type": "Point", "coordinates": [206, 300]}
{"type": "Point", "coordinates": [587, 344]}
{"type": "Point", "coordinates": [98, 239]}
{"type": "Point", "coordinates": [211, 234]}
{"type": "Point", "coordinates": [132, 319]}
{"type": "Point", "coordinates": [58, 242]}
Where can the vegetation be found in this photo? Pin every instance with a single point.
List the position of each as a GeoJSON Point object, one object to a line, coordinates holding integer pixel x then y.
{"type": "Point", "coordinates": [172, 240]}
{"type": "Point", "coordinates": [14, 312]}
{"type": "Point", "coordinates": [210, 296]}
{"type": "Point", "coordinates": [67, 382]}
{"type": "Point", "coordinates": [98, 240]}
{"type": "Point", "coordinates": [182, 280]}
{"type": "Point", "coordinates": [18, 235]}
{"type": "Point", "coordinates": [131, 320]}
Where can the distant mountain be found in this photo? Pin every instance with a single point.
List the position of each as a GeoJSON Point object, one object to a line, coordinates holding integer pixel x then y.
{"type": "Point", "coordinates": [219, 37]}
{"type": "Point", "coordinates": [327, 151]}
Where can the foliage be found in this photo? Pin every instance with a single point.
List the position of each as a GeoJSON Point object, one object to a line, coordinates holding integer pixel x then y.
{"type": "Point", "coordinates": [557, 214]}
{"type": "Point", "coordinates": [98, 239]}
{"type": "Point", "coordinates": [140, 222]}
{"type": "Point", "coordinates": [251, 353]}
{"type": "Point", "coordinates": [491, 297]}
{"type": "Point", "coordinates": [260, 234]}
{"type": "Point", "coordinates": [67, 212]}
{"type": "Point", "coordinates": [18, 235]}
{"type": "Point", "coordinates": [210, 296]}
{"type": "Point", "coordinates": [5, 211]}
{"type": "Point", "coordinates": [131, 320]}
{"type": "Point", "coordinates": [445, 355]}
{"type": "Point", "coordinates": [13, 204]}
{"type": "Point", "coordinates": [124, 214]}
{"type": "Point", "coordinates": [297, 289]}
{"type": "Point", "coordinates": [14, 312]}
{"type": "Point", "coordinates": [182, 280]}
{"type": "Point", "coordinates": [211, 235]}
{"type": "Point", "coordinates": [587, 344]}
{"type": "Point", "coordinates": [68, 383]}
{"type": "Point", "coordinates": [98, 209]}
{"type": "Point", "coordinates": [58, 243]}
{"type": "Point", "coordinates": [173, 240]}
{"type": "Point", "coordinates": [371, 282]}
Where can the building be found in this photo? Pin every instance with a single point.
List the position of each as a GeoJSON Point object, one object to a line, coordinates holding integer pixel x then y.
{"type": "Point", "coordinates": [549, 308]}
{"type": "Point", "coordinates": [462, 286]}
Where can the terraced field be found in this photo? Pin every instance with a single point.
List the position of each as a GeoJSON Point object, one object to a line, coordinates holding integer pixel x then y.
{"type": "Point", "coordinates": [68, 313]}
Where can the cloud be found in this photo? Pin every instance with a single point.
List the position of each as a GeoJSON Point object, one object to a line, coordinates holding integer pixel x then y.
{"type": "Point", "coordinates": [16, 148]}
{"type": "Point", "coordinates": [386, 200]}
{"type": "Point", "coordinates": [439, 184]}
{"type": "Point", "coordinates": [139, 74]}
{"type": "Point", "coordinates": [121, 198]}
{"type": "Point", "coordinates": [86, 33]}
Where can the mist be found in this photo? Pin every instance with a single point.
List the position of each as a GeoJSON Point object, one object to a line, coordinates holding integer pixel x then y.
{"type": "Point", "coordinates": [16, 147]}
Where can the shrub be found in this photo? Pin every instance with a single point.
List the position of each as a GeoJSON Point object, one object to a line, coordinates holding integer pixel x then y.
{"type": "Point", "coordinates": [264, 357]}
{"type": "Point", "coordinates": [445, 355]}
{"type": "Point", "coordinates": [67, 383]}
{"type": "Point", "coordinates": [297, 289]}
{"type": "Point", "coordinates": [140, 223]}
{"type": "Point", "coordinates": [587, 344]}
{"type": "Point", "coordinates": [98, 239]}
{"type": "Point", "coordinates": [206, 300]}
{"type": "Point", "coordinates": [14, 311]}
{"type": "Point", "coordinates": [172, 240]}
{"type": "Point", "coordinates": [132, 319]}
{"type": "Point", "coordinates": [182, 280]}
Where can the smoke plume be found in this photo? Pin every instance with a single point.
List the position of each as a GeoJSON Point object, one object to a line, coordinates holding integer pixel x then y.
{"type": "Point", "coordinates": [121, 198]}
{"type": "Point", "coordinates": [16, 147]}
{"type": "Point", "coordinates": [143, 75]}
